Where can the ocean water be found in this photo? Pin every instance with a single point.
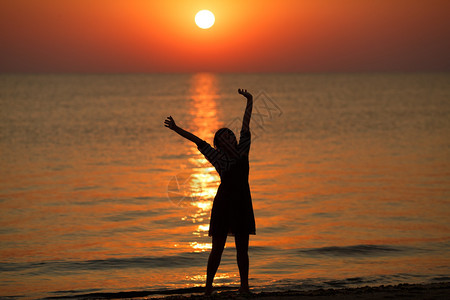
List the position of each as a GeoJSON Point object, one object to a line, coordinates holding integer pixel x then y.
{"type": "Point", "coordinates": [349, 173]}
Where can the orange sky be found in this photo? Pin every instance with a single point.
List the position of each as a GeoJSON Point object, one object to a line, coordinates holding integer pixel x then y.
{"type": "Point", "coordinates": [248, 36]}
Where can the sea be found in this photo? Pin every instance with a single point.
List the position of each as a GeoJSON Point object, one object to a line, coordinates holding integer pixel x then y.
{"type": "Point", "coordinates": [349, 175]}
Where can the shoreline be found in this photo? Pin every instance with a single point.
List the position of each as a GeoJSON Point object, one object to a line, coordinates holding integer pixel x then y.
{"type": "Point", "coordinates": [428, 291]}
{"type": "Point", "coordinates": [440, 290]}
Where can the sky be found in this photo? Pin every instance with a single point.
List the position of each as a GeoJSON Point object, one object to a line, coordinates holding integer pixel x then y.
{"type": "Point", "coordinates": [121, 36]}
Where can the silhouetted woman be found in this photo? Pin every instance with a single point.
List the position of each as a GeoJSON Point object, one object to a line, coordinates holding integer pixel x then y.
{"type": "Point", "coordinates": [232, 211]}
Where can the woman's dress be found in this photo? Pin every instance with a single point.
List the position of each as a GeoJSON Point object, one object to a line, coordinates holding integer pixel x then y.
{"type": "Point", "coordinates": [232, 211]}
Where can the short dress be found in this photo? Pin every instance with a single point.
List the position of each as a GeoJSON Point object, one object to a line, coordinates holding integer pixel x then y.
{"type": "Point", "coordinates": [232, 211]}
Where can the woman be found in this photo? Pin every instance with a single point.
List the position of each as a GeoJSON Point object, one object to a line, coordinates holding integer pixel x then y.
{"type": "Point", "coordinates": [232, 211]}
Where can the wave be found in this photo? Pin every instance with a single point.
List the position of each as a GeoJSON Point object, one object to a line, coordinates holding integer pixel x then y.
{"type": "Point", "coordinates": [188, 259]}
{"type": "Point", "coordinates": [185, 259]}
{"type": "Point", "coordinates": [131, 294]}
{"type": "Point", "coordinates": [355, 250]}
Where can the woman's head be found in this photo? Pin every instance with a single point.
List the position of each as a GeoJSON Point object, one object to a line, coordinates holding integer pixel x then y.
{"type": "Point", "coordinates": [225, 139]}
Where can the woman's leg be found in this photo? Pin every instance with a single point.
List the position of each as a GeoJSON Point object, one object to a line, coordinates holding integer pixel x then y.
{"type": "Point", "coordinates": [218, 243]}
{"type": "Point", "coordinates": [241, 241]}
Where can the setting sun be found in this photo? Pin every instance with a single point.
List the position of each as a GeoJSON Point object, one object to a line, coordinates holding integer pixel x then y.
{"type": "Point", "coordinates": [204, 19]}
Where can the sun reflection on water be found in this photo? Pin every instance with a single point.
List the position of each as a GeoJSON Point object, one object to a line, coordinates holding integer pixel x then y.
{"type": "Point", "coordinates": [223, 278]}
{"type": "Point", "coordinates": [204, 180]}
{"type": "Point", "coordinates": [200, 247]}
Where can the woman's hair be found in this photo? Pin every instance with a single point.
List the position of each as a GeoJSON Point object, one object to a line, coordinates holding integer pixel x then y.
{"type": "Point", "coordinates": [220, 140]}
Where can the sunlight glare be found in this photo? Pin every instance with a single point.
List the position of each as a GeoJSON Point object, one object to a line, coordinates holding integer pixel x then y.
{"type": "Point", "coordinates": [200, 247]}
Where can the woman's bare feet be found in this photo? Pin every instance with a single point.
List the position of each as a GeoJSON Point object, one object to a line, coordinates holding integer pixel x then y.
{"type": "Point", "coordinates": [208, 290]}
{"type": "Point", "coordinates": [244, 290]}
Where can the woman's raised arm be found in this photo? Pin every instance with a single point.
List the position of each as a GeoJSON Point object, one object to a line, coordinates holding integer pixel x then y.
{"type": "Point", "coordinates": [248, 109]}
{"type": "Point", "coordinates": [170, 123]}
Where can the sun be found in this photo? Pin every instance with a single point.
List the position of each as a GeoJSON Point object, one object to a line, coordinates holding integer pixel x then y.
{"type": "Point", "coordinates": [204, 19]}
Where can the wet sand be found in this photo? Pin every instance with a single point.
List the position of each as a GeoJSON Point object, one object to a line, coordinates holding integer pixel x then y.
{"type": "Point", "coordinates": [402, 291]}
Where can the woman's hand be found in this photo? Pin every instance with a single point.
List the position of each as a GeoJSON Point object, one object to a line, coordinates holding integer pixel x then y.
{"type": "Point", "coordinates": [245, 93]}
{"type": "Point", "coordinates": [170, 123]}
